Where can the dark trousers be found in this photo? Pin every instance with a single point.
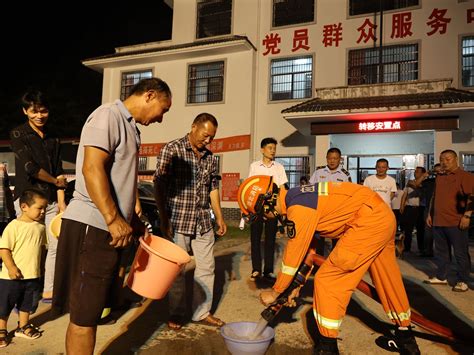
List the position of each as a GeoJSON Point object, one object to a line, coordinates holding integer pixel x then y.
{"type": "Point", "coordinates": [444, 238]}
{"type": "Point", "coordinates": [398, 217]}
{"type": "Point", "coordinates": [428, 246]}
{"type": "Point", "coordinates": [413, 216]}
{"type": "Point", "coordinates": [256, 229]}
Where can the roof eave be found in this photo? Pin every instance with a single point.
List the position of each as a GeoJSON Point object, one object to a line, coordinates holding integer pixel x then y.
{"type": "Point", "coordinates": [160, 54]}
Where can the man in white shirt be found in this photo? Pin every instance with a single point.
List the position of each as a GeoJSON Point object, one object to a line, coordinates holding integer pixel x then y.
{"type": "Point", "coordinates": [381, 183]}
{"type": "Point", "coordinates": [266, 166]}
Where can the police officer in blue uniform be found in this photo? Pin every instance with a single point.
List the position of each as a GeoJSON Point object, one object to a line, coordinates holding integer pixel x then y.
{"type": "Point", "coordinates": [330, 172]}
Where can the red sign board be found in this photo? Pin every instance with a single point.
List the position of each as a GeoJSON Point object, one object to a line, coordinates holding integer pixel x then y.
{"type": "Point", "coordinates": [379, 126]}
{"type": "Point", "coordinates": [230, 186]}
{"type": "Point", "coordinates": [228, 144]}
{"type": "Point", "coordinates": [386, 125]}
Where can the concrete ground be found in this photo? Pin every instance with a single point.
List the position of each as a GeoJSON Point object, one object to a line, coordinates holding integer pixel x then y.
{"type": "Point", "coordinates": [143, 330]}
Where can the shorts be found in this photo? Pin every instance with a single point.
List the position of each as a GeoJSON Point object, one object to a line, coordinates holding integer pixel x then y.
{"type": "Point", "coordinates": [19, 293]}
{"type": "Point", "coordinates": [87, 265]}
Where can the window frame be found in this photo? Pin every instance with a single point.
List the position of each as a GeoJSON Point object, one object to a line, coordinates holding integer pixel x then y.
{"type": "Point", "coordinates": [189, 86]}
{"type": "Point", "coordinates": [299, 23]}
{"type": "Point", "coordinates": [461, 59]}
{"type": "Point", "coordinates": [374, 68]}
{"type": "Point", "coordinates": [462, 160]}
{"type": "Point", "coordinates": [369, 13]}
{"type": "Point", "coordinates": [197, 30]}
{"type": "Point", "coordinates": [125, 89]}
{"type": "Point", "coordinates": [270, 78]}
{"type": "Point", "coordinates": [293, 178]}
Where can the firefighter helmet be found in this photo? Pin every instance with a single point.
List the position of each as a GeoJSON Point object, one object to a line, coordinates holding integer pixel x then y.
{"type": "Point", "coordinates": [256, 195]}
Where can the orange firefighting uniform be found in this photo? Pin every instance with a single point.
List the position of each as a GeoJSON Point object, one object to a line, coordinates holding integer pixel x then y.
{"type": "Point", "coordinates": [365, 226]}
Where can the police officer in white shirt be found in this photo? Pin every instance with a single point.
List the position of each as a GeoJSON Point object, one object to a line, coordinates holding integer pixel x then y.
{"type": "Point", "coordinates": [330, 172]}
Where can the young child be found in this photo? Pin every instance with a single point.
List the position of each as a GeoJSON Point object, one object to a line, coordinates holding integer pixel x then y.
{"type": "Point", "coordinates": [21, 247]}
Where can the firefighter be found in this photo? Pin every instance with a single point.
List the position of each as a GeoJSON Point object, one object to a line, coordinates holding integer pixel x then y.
{"type": "Point", "coordinates": [365, 226]}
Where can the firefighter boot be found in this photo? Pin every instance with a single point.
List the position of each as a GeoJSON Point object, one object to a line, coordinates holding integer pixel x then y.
{"type": "Point", "coordinates": [326, 346]}
{"type": "Point", "coordinates": [406, 342]}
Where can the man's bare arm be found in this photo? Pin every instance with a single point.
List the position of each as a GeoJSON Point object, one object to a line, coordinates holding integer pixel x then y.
{"type": "Point", "coordinates": [95, 170]}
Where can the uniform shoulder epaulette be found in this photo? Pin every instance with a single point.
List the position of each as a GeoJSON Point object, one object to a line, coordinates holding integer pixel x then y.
{"type": "Point", "coordinates": [345, 172]}
{"type": "Point", "coordinates": [320, 167]}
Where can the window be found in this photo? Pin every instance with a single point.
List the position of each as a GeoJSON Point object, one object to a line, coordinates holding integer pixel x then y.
{"type": "Point", "coordinates": [291, 78]}
{"type": "Point", "coordinates": [292, 12]}
{"type": "Point", "coordinates": [214, 18]}
{"type": "Point", "coordinates": [206, 82]}
{"type": "Point", "coordinates": [359, 7]}
{"type": "Point", "coordinates": [468, 61]}
{"type": "Point", "coordinates": [400, 63]}
{"type": "Point", "coordinates": [295, 167]}
{"type": "Point", "coordinates": [467, 161]}
{"type": "Point", "coordinates": [130, 79]}
{"type": "Point", "coordinates": [142, 163]}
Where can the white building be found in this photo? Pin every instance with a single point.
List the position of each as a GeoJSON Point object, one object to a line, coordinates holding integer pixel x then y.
{"type": "Point", "coordinates": [307, 73]}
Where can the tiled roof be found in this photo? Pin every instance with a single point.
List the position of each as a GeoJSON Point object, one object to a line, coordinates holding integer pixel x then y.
{"type": "Point", "coordinates": [196, 43]}
{"type": "Point", "coordinates": [448, 96]}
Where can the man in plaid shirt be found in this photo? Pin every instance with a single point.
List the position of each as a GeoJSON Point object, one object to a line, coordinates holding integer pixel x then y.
{"type": "Point", "coordinates": [186, 187]}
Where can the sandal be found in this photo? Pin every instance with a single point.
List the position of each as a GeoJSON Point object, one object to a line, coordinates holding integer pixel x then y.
{"type": "Point", "coordinates": [28, 331]}
{"type": "Point", "coordinates": [175, 322]}
{"type": "Point", "coordinates": [3, 338]}
{"type": "Point", "coordinates": [212, 321]}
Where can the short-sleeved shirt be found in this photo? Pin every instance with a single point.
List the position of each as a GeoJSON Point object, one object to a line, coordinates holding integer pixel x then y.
{"type": "Point", "coordinates": [323, 174]}
{"type": "Point", "coordinates": [33, 153]}
{"type": "Point", "coordinates": [112, 128]}
{"type": "Point", "coordinates": [188, 181]}
{"type": "Point", "coordinates": [25, 241]}
{"type": "Point", "coordinates": [450, 197]}
{"type": "Point", "coordinates": [427, 190]}
{"type": "Point", "coordinates": [413, 195]}
{"type": "Point", "coordinates": [397, 199]}
{"type": "Point", "coordinates": [384, 187]}
{"type": "Point", "coordinates": [275, 169]}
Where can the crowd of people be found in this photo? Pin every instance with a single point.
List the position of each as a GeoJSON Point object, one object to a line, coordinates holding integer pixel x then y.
{"type": "Point", "coordinates": [103, 217]}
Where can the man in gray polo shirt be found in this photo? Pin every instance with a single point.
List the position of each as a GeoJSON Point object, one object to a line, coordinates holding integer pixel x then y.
{"type": "Point", "coordinates": [100, 218]}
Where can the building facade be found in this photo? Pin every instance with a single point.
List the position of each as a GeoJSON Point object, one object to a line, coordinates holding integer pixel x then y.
{"type": "Point", "coordinates": [389, 81]}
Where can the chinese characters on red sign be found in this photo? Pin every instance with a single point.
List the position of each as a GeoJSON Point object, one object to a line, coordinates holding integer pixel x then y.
{"type": "Point", "coordinates": [227, 144]}
{"type": "Point", "coordinates": [230, 186]}
{"type": "Point", "coordinates": [437, 23]}
{"type": "Point", "coordinates": [379, 126]}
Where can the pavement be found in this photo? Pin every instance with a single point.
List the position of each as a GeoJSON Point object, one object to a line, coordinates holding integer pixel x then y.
{"type": "Point", "coordinates": [143, 330]}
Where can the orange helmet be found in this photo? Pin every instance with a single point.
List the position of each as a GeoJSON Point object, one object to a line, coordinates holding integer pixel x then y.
{"type": "Point", "coordinates": [256, 195]}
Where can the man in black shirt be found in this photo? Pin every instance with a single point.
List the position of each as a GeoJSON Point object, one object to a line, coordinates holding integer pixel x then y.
{"type": "Point", "coordinates": [426, 182]}
{"type": "Point", "coordinates": [38, 165]}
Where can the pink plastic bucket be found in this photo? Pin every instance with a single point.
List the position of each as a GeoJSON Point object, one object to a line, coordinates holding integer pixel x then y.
{"type": "Point", "coordinates": [156, 265]}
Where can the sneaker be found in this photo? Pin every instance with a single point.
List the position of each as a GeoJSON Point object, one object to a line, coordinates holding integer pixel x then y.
{"type": "Point", "coordinates": [460, 287]}
{"type": "Point", "coordinates": [254, 275]}
{"type": "Point", "coordinates": [435, 281]}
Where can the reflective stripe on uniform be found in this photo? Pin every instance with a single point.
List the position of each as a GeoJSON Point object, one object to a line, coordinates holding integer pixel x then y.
{"type": "Point", "coordinates": [288, 270]}
{"type": "Point", "coordinates": [327, 322]}
{"type": "Point", "coordinates": [323, 188]}
{"type": "Point", "coordinates": [400, 316]}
